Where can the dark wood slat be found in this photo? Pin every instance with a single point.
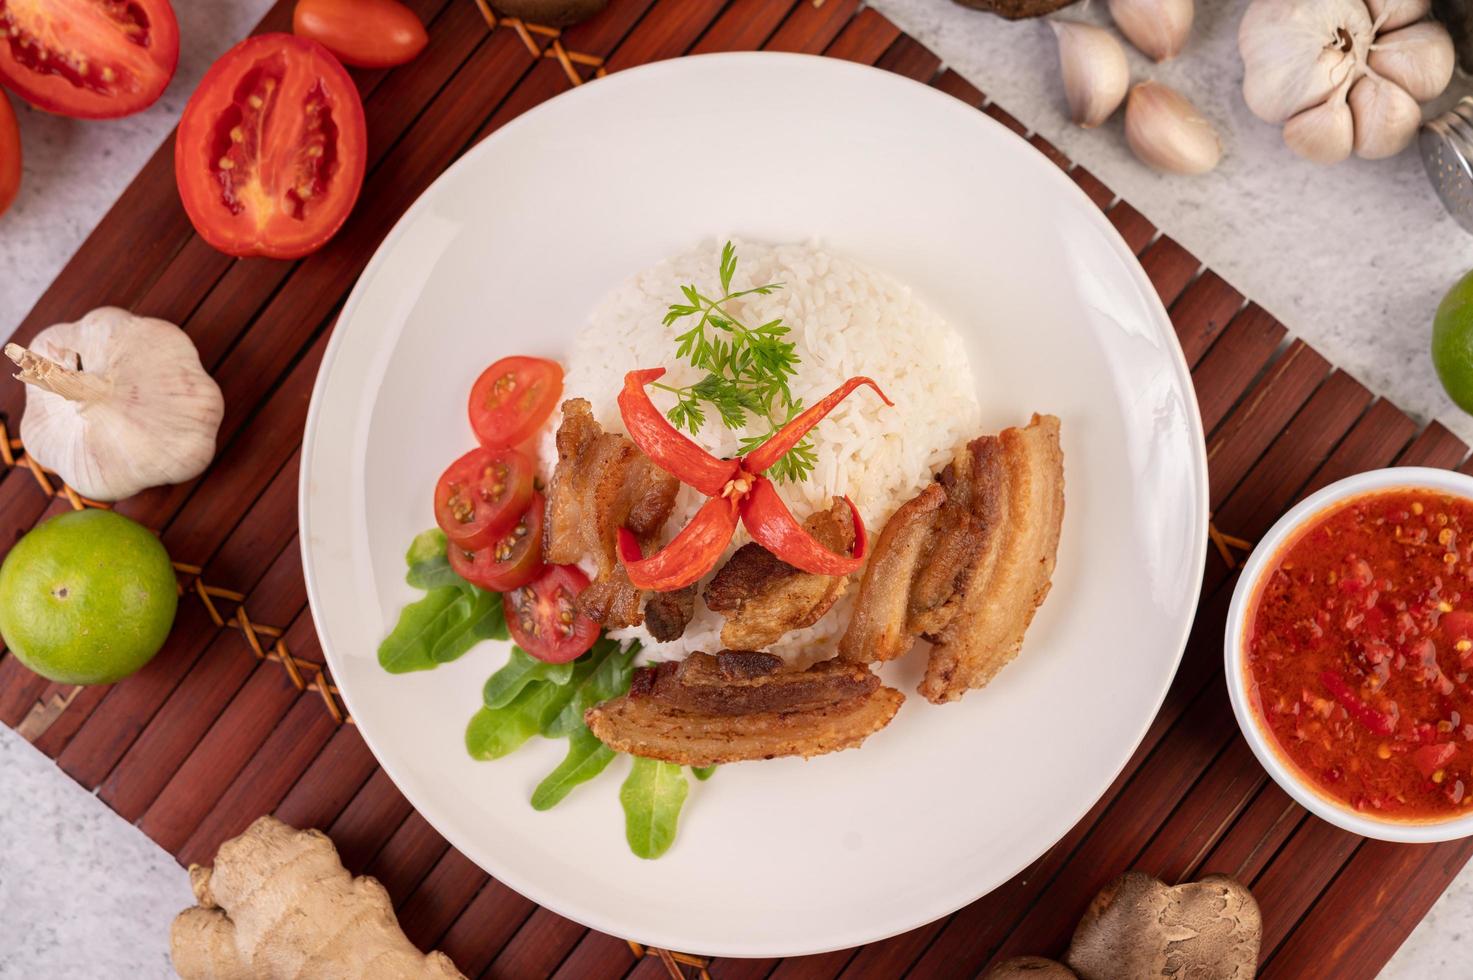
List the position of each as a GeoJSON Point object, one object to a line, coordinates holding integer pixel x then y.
{"type": "Point", "coordinates": [668, 30]}
{"type": "Point", "coordinates": [817, 967]}
{"type": "Point", "coordinates": [910, 58]}
{"type": "Point", "coordinates": [450, 886]}
{"type": "Point", "coordinates": [1225, 373]}
{"type": "Point", "coordinates": [996, 111]}
{"type": "Point", "coordinates": [1169, 267]}
{"type": "Point", "coordinates": [330, 781]}
{"type": "Point", "coordinates": [1205, 815]}
{"type": "Point", "coordinates": [745, 25]}
{"type": "Point", "coordinates": [864, 38]}
{"type": "Point", "coordinates": [958, 87]}
{"type": "Point", "coordinates": [1051, 152]}
{"type": "Point", "coordinates": [368, 821]}
{"type": "Point", "coordinates": [1435, 446]}
{"type": "Point", "coordinates": [811, 28]}
{"type": "Point", "coordinates": [603, 957]}
{"type": "Point", "coordinates": [1202, 310]}
{"type": "Point", "coordinates": [1132, 225]}
{"type": "Point", "coordinates": [1252, 841]}
{"type": "Point", "coordinates": [1309, 861]}
{"type": "Point", "coordinates": [536, 950]}
{"type": "Point", "coordinates": [410, 853]}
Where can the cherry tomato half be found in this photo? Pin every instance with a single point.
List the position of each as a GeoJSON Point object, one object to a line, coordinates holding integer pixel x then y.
{"type": "Point", "coordinates": [513, 398]}
{"type": "Point", "coordinates": [482, 496]}
{"type": "Point", "coordinates": [91, 59]}
{"type": "Point", "coordinates": [271, 148]}
{"type": "Point", "coordinates": [544, 619]}
{"type": "Point", "coordinates": [9, 154]}
{"type": "Point", "coordinates": [509, 562]}
{"type": "Point", "coordinates": [366, 33]}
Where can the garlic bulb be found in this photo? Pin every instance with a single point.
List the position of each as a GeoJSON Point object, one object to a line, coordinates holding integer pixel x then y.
{"type": "Point", "coordinates": [1158, 27]}
{"type": "Point", "coordinates": [1311, 65]}
{"type": "Point", "coordinates": [1094, 68]}
{"type": "Point", "coordinates": [1167, 132]}
{"type": "Point", "coordinates": [117, 403]}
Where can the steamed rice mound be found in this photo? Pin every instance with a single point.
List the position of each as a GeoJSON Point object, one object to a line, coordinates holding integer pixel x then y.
{"type": "Point", "coordinates": [846, 320]}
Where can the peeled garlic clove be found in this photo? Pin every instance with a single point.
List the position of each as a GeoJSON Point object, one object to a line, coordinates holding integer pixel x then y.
{"type": "Point", "coordinates": [1418, 58]}
{"type": "Point", "coordinates": [1386, 118]}
{"type": "Point", "coordinates": [1296, 52]}
{"type": "Point", "coordinates": [1167, 132]}
{"type": "Point", "coordinates": [1095, 72]}
{"type": "Point", "coordinates": [1324, 133]}
{"type": "Point", "coordinates": [1391, 14]}
{"type": "Point", "coordinates": [1158, 27]}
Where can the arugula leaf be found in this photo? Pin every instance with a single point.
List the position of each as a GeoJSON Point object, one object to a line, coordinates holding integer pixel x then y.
{"type": "Point", "coordinates": [652, 797]}
{"type": "Point", "coordinates": [586, 758]}
{"type": "Point", "coordinates": [607, 677]}
{"type": "Point", "coordinates": [495, 732]}
{"type": "Point", "coordinates": [422, 629]}
{"type": "Point", "coordinates": [481, 619]}
{"type": "Point", "coordinates": [703, 773]}
{"type": "Point", "coordinates": [428, 566]}
{"type": "Point", "coordinates": [521, 669]}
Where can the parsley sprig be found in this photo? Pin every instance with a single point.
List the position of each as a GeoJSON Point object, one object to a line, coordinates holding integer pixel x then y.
{"type": "Point", "coordinates": [748, 369]}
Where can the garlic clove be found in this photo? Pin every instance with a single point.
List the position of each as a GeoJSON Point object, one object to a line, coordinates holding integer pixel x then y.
{"type": "Point", "coordinates": [1094, 69]}
{"type": "Point", "coordinates": [1391, 14]}
{"type": "Point", "coordinates": [1324, 133]}
{"type": "Point", "coordinates": [1167, 132]}
{"type": "Point", "coordinates": [1295, 52]}
{"type": "Point", "coordinates": [1386, 118]}
{"type": "Point", "coordinates": [1159, 28]}
{"type": "Point", "coordinates": [1419, 58]}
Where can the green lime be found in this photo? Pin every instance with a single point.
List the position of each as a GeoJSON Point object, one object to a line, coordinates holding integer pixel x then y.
{"type": "Point", "coordinates": [1452, 342]}
{"type": "Point", "coordinates": [87, 597]}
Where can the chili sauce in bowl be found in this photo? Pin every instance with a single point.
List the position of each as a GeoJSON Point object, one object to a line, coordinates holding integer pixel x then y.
{"type": "Point", "coordinates": [1352, 639]}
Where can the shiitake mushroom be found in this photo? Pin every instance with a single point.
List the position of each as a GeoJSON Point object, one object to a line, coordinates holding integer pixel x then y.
{"type": "Point", "coordinates": [553, 13]}
{"type": "Point", "coordinates": [1016, 9]}
{"type": "Point", "coordinates": [1029, 968]}
{"type": "Point", "coordinates": [1137, 928]}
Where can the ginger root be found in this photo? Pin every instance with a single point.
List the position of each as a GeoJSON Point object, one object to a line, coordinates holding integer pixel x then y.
{"type": "Point", "coordinates": [279, 905]}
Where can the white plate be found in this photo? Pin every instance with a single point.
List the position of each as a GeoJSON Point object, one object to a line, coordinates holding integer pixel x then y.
{"type": "Point", "coordinates": [508, 252]}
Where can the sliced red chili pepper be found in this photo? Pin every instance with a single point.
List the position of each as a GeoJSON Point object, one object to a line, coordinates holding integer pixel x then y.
{"type": "Point", "coordinates": [773, 526]}
{"type": "Point", "coordinates": [791, 434]}
{"type": "Point", "coordinates": [663, 443]}
{"type": "Point", "coordinates": [1377, 722]}
{"type": "Point", "coordinates": [689, 555]}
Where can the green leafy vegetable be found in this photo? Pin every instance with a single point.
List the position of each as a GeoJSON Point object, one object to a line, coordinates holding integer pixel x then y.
{"type": "Point", "coordinates": [586, 758]}
{"type": "Point", "coordinates": [428, 566]}
{"type": "Point", "coordinates": [748, 369]}
{"type": "Point", "coordinates": [607, 677]}
{"type": "Point", "coordinates": [652, 797]}
{"type": "Point", "coordinates": [520, 670]}
{"type": "Point", "coordinates": [702, 773]}
{"type": "Point", "coordinates": [495, 732]}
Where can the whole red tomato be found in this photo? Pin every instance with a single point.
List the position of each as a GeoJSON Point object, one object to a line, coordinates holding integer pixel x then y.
{"type": "Point", "coordinates": [365, 33]}
{"type": "Point", "coordinates": [93, 59]}
{"type": "Point", "coordinates": [271, 148]}
{"type": "Point", "coordinates": [9, 154]}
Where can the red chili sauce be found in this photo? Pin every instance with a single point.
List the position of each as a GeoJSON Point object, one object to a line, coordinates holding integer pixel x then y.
{"type": "Point", "coordinates": [1359, 653]}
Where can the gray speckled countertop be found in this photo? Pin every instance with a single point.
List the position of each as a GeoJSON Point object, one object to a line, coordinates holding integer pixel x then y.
{"type": "Point", "coordinates": [1353, 258]}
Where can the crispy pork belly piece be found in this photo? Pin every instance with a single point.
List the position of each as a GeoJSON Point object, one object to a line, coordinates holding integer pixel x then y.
{"type": "Point", "coordinates": [603, 482]}
{"type": "Point", "coordinates": [763, 597]}
{"type": "Point", "coordinates": [741, 706]}
{"type": "Point", "coordinates": [667, 614]}
{"type": "Point", "coordinates": [967, 562]}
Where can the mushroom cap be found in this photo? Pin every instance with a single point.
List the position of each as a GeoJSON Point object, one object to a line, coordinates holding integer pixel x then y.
{"type": "Point", "coordinates": [1029, 968]}
{"type": "Point", "coordinates": [1137, 928]}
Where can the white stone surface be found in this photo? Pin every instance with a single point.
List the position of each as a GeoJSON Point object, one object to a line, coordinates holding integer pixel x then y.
{"type": "Point", "coordinates": [83, 894]}
{"type": "Point", "coordinates": [1353, 258]}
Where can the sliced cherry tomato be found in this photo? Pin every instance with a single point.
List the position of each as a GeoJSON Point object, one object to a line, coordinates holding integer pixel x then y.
{"type": "Point", "coordinates": [482, 496]}
{"type": "Point", "coordinates": [513, 398]}
{"type": "Point", "coordinates": [271, 148]}
{"type": "Point", "coordinates": [9, 154]}
{"type": "Point", "coordinates": [509, 562]}
{"type": "Point", "coordinates": [544, 619]}
{"type": "Point", "coordinates": [92, 59]}
{"type": "Point", "coordinates": [366, 33]}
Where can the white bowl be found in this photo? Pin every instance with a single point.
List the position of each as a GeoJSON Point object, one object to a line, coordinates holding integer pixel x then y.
{"type": "Point", "coordinates": [1283, 771]}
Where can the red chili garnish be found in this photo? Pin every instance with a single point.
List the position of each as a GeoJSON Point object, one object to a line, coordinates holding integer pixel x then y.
{"type": "Point", "coordinates": [737, 489]}
{"type": "Point", "coordinates": [1377, 722]}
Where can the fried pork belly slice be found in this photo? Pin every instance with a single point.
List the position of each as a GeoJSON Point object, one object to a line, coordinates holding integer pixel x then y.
{"type": "Point", "coordinates": [603, 482]}
{"type": "Point", "coordinates": [1022, 472]}
{"type": "Point", "coordinates": [763, 597]}
{"type": "Point", "coordinates": [966, 562]}
{"type": "Point", "coordinates": [715, 712]}
{"type": "Point", "coordinates": [667, 614]}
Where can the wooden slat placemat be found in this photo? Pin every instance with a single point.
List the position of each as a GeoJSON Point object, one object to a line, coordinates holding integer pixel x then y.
{"type": "Point", "coordinates": [236, 717]}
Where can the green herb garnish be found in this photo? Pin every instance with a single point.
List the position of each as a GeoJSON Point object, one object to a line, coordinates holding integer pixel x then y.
{"type": "Point", "coordinates": [747, 370]}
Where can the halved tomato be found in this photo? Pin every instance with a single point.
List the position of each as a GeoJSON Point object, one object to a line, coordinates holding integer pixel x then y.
{"type": "Point", "coordinates": [92, 59]}
{"type": "Point", "coordinates": [9, 153]}
{"type": "Point", "coordinates": [366, 33]}
{"type": "Point", "coordinates": [544, 619]}
{"type": "Point", "coordinates": [512, 398]}
{"type": "Point", "coordinates": [271, 148]}
{"type": "Point", "coordinates": [509, 562]}
{"type": "Point", "coordinates": [482, 495]}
